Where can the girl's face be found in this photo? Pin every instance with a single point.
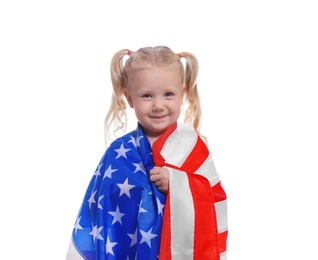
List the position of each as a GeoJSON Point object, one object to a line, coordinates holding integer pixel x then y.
{"type": "Point", "coordinates": [156, 96]}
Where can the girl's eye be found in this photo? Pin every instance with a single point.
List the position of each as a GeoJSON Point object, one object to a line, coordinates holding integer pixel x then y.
{"type": "Point", "coordinates": [146, 96]}
{"type": "Point", "coordinates": [169, 94]}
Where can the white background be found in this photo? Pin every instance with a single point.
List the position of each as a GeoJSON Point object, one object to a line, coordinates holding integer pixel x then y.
{"type": "Point", "coordinates": [258, 81]}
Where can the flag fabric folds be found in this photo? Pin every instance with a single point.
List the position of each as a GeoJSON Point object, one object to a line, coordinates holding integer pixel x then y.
{"type": "Point", "coordinates": [121, 214]}
{"type": "Point", "coordinates": [195, 218]}
{"type": "Point", "coordinates": [124, 216]}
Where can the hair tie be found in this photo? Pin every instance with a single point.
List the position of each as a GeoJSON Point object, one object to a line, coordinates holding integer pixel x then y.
{"type": "Point", "coordinates": [180, 54]}
{"type": "Point", "coordinates": [130, 52]}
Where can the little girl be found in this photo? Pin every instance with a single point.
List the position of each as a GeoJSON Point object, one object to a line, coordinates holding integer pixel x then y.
{"type": "Point", "coordinates": [155, 192]}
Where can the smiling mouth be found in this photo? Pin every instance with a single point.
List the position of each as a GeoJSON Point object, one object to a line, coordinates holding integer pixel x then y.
{"type": "Point", "coordinates": [157, 117]}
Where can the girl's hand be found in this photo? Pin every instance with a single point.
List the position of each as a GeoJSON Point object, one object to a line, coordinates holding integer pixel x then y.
{"type": "Point", "coordinates": [160, 177]}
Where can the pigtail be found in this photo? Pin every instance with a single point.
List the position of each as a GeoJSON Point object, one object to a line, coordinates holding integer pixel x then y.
{"type": "Point", "coordinates": [192, 115]}
{"type": "Point", "coordinates": [116, 116]}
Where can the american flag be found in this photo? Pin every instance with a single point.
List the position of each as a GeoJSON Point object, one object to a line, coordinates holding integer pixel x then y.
{"type": "Point", "coordinates": [122, 214]}
{"type": "Point", "coordinates": [195, 220]}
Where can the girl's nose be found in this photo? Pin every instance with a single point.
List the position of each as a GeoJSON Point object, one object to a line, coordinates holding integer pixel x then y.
{"type": "Point", "coordinates": [157, 105]}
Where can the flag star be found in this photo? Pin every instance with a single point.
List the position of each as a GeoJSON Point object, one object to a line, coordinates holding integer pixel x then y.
{"type": "Point", "coordinates": [125, 188]}
{"type": "Point", "coordinates": [109, 171]}
{"type": "Point", "coordinates": [147, 236]}
{"type": "Point", "coordinates": [139, 167]}
{"type": "Point", "coordinates": [77, 224]}
{"type": "Point", "coordinates": [160, 207]}
{"type": "Point", "coordinates": [117, 216]}
{"type": "Point", "coordinates": [135, 141]}
{"type": "Point", "coordinates": [96, 233]}
{"type": "Point", "coordinates": [133, 238]}
{"type": "Point", "coordinates": [92, 199]}
{"type": "Point", "coordinates": [97, 172]}
{"type": "Point", "coordinates": [121, 151]}
{"type": "Point", "coordinates": [99, 199]}
{"type": "Point", "coordinates": [141, 209]}
{"type": "Point", "coordinates": [109, 246]}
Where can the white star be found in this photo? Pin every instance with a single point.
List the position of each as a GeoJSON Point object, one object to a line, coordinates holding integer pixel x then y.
{"type": "Point", "coordinates": [117, 216]}
{"type": "Point", "coordinates": [121, 151]}
{"type": "Point", "coordinates": [109, 246]}
{"type": "Point", "coordinates": [97, 172]}
{"type": "Point", "coordinates": [141, 209]}
{"type": "Point", "coordinates": [133, 238]}
{"type": "Point", "coordinates": [135, 141]}
{"type": "Point", "coordinates": [146, 237]}
{"type": "Point", "coordinates": [125, 188]}
{"type": "Point", "coordinates": [160, 207]}
{"type": "Point", "coordinates": [91, 199]}
{"type": "Point", "coordinates": [96, 233]}
{"type": "Point", "coordinates": [109, 171]}
{"type": "Point", "coordinates": [99, 199]}
{"type": "Point", "coordinates": [139, 167]}
{"type": "Point", "coordinates": [77, 224]}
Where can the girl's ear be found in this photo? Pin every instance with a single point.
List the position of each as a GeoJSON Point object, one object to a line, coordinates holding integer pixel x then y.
{"type": "Point", "coordinates": [128, 98]}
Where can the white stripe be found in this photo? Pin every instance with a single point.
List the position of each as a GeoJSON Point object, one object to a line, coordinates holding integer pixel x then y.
{"type": "Point", "coordinates": [182, 216]}
{"type": "Point", "coordinates": [179, 145]}
{"type": "Point", "coordinates": [72, 253]}
{"type": "Point", "coordinates": [221, 215]}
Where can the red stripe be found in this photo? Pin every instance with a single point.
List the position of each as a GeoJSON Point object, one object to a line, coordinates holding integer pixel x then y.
{"type": "Point", "coordinates": [222, 237]}
{"type": "Point", "coordinates": [165, 242]}
{"type": "Point", "coordinates": [159, 143]}
{"type": "Point", "coordinates": [196, 157]}
{"type": "Point", "coordinates": [205, 231]}
{"type": "Point", "coordinates": [218, 192]}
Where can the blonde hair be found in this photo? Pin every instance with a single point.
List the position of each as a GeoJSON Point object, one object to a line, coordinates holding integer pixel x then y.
{"type": "Point", "coordinates": [148, 57]}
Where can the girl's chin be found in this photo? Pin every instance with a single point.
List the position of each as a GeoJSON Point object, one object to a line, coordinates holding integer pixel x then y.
{"type": "Point", "coordinates": [155, 132]}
